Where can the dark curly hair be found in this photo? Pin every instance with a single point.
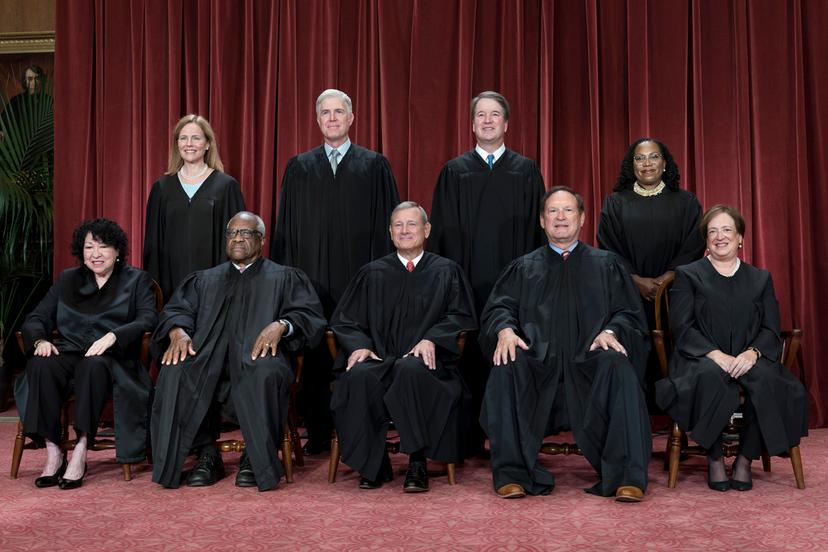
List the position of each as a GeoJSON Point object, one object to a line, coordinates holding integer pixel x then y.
{"type": "Point", "coordinates": [626, 177]}
{"type": "Point", "coordinates": [105, 231]}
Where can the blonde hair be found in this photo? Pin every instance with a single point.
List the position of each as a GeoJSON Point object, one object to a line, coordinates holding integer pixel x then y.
{"type": "Point", "coordinates": [211, 156]}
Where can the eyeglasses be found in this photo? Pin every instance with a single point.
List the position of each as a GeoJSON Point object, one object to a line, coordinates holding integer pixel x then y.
{"type": "Point", "coordinates": [653, 157]}
{"type": "Point", "coordinates": [245, 233]}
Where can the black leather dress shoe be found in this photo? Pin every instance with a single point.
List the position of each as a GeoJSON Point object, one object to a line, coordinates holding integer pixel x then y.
{"type": "Point", "coordinates": [208, 469]}
{"type": "Point", "coordinates": [315, 447]}
{"type": "Point", "coordinates": [416, 478]}
{"type": "Point", "coordinates": [54, 479]}
{"type": "Point", "coordinates": [245, 477]}
{"type": "Point", "coordinates": [386, 475]}
{"type": "Point", "coordinates": [66, 484]}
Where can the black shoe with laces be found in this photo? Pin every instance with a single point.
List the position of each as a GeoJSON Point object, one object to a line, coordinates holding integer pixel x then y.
{"type": "Point", "coordinates": [208, 469]}
{"type": "Point", "coordinates": [245, 477]}
{"type": "Point", "coordinates": [416, 478]}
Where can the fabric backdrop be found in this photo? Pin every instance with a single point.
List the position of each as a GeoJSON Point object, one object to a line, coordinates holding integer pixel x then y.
{"type": "Point", "coordinates": [736, 89]}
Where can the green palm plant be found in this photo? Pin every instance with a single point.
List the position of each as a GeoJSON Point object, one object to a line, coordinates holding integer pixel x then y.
{"type": "Point", "coordinates": [26, 175]}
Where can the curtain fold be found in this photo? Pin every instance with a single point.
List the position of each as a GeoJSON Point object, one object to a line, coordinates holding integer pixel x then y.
{"type": "Point", "coordinates": [736, 89]}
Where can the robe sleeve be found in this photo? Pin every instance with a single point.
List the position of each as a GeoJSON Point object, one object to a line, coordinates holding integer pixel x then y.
{"type": "Point", "coordinates": [503, 307]}
{"type": "Point", "coordinates": [627, 318]}
{"type": "Point", "coordinates": [301, 307]}
{"type": "Point", "coordinates": [280, 250]}
{"type": "Point", "coordinates": [692, 246]}
{"type": "Point", "coordinates": [386, 197]}
{"type": "Point", "coordinates": [689, 339]}
{"type": "Point", "coordinates": [446, 238]}
{"type": "Point", "coordinates": [179, 312]}
{"type": "Point", "coordinates": [768, 340]}
{"type": "Point", "coordinates": [458, 315]}
{"type": "Point", "coordinates": [350, 321]}
{"type": "Point", "coordinates": [40, 323]}
{"type": "Point", "coordinates": [538, 188]}
{"type": "Point", "coordinates": [610, 235]}
{"type": "Point", "coordinates": [145, 315]}
{"type": "Point", "coordinates": [153, 232]}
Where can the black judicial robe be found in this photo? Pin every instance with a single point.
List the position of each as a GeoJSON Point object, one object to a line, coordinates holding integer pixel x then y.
{"type": "Point", "coordinates": [484, 218]}
{"type": "Point", "coordinates": [83, 313]}
{"type": "Point", "coordinates": [651, 234]}
{"type": "Point", "coordinates": [388, 310]}
{"type": "Point", "coordinates": [184, 235]}
{"type": "Point", "coordinates": [558, 307]}
{"type": "Point", "coordinates": [709, 311]}
{"type": "Point", "coordinates": [224, 311]}
{"type": "Point", "coordinates": [329, 226]}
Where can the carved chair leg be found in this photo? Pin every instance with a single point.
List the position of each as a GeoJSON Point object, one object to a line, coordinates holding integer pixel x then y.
{"type": "Point", "coordinates": [17, 453]}
{"type": "Point", "coordinates": [675, 452]}
{"type": "Point", "coordinates": [296, 443]}
{"type": "Point", "coordinates": [451, 472]}
{"type": "Point", "coordinates": [287, 453]}
{"type": "Point", "coordinates": [333, 463]}
{"type": "Point", "coordinates": [766, 462]}
{"type": "Point", "coordinates": [127, 472]}
{"type": "Point", "coordinates": [796, 464]}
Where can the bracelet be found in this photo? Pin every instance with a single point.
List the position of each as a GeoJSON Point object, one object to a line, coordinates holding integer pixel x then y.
{"type": "Point", "coordinates": [38, 342]}
{"type": "Point", "coordinates": [757, 351]}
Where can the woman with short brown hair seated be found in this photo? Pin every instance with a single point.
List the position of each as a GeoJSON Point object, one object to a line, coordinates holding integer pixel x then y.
{"type": "Point", "coordinates": [725, 321]}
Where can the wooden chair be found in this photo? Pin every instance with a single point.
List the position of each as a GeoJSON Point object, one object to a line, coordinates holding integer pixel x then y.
{"type": "Point", "coordinates": [20, 441]}
{"type": "Point", "coordinates": [291, 442]}
{"type": "Point", "coordinates": [678, 446]}
{"type": "Point", "coordinates": [392, 443]}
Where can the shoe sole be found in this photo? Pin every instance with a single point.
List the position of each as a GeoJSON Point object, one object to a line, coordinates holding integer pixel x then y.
{"type": "Point", "coordinates": [628, 499]}
{"type": "Point", "coordinates": [414, 489]}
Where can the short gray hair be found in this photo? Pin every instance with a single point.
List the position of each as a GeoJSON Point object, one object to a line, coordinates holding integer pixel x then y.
{"type": "Point", "coordinates": [334, 93]}
{"type": "Point", "coordinates": [260, 225]}
{"type": "Point", "coordinates": [410, 205]}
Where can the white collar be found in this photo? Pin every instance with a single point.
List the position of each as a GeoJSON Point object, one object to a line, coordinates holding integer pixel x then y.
{"type": "Point", "coordinates": [415, 260]}
{"type": "Point", "coordinates": [485, 154]}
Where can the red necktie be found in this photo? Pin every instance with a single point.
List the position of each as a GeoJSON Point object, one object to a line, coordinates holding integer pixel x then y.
{"type": "Point", "coordinates": [410, 266]}
{"type": "Point", "coordinates": [565, 254]}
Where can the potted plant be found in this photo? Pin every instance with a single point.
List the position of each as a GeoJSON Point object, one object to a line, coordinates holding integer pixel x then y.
{"type": "Point", "coordinates": [26, 175]}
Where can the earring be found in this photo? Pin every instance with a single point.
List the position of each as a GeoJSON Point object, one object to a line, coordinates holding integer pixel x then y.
{"type": "Point", "coordinates": [740, 245]}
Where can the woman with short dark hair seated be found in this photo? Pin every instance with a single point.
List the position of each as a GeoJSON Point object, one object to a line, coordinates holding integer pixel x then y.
{"type": "Point", "coordinates": [725, 321]}
{"type": "Point", "coordinates": [100, 310]}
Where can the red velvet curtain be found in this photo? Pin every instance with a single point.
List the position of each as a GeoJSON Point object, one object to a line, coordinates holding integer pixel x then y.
{"type": "Point", "coordinates": [737, 89]}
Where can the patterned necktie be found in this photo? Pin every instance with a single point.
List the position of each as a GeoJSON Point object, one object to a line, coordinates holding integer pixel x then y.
{"type": "Point", "coordinates": [490, 161]}
{"type": "Point", "coordinates": [334, 160]}
{"type": "Point", "coordinates": [410, 266]}
{"type": "Point", "coordinates": [565, 254]}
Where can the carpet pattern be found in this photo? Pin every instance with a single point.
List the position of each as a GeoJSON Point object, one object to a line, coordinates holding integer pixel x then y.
{"type": "Point", "coordinates": [108, 513]}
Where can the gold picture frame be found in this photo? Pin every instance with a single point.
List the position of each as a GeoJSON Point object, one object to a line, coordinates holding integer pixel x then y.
{"type": "Point", "coordinates": [27, 42]}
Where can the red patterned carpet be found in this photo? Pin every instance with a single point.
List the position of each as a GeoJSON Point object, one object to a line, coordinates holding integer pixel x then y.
{"type": "Point", "coordinates": [108, 513]}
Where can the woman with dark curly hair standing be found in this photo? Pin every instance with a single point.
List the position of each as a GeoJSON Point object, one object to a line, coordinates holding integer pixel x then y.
{"type": "Point", "coordinates": [100, 310]}
{"type": "Point", "coordinates": [651, 224]}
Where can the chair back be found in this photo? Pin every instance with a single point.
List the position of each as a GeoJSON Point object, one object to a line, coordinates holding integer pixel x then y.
{"type": "Point", "coordinates": [662, 303]}
{"type": "Point", "coordinates": [661, 335]}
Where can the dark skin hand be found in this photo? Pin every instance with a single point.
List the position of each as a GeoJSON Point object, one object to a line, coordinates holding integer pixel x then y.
{"type": "Point", "coordinates": [648, 287]}
{"type": "Point", "coordinates": [181, 344]}
{"type": "Point", "coordinates": [268, 340]}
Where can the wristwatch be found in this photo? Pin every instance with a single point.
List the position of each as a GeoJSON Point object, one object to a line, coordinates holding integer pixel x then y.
{"type": "Point", "coordinates": [610, 332]}
{"type": "Point", "coordinates": [757, 351]}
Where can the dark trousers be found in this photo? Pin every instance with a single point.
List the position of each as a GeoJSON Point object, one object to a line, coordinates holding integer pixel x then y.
{"type": "Point", "coordinates": [51, 381]}
{"type": "Point", "coordinates": [315, 396]}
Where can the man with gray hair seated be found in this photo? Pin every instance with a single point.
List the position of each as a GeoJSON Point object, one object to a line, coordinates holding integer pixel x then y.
{"type": "Point", "coordinates": [221, 339]}
{"type": "Point", "coordinates": [397, 325]}
{"type": "Point", "coordinates": [334, 208]}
